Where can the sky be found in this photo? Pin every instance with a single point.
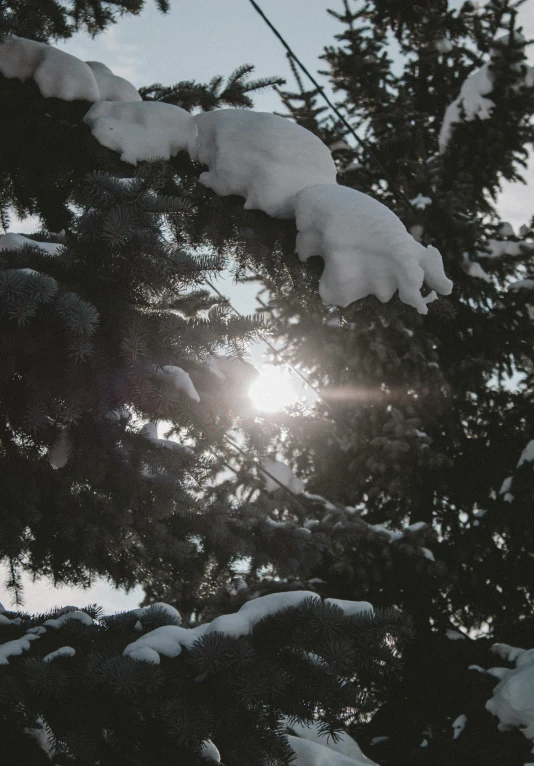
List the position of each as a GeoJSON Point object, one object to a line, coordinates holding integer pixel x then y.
{"type": "Point", "coordinates": [197, 40]}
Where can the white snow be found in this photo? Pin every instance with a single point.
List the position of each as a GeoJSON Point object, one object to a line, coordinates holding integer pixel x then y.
{"type": "Point", "coordinates": [60, 75]}
{"type": "Point", "coordinates": [420, 202]}
{"type": "Point", "coordinates": [474, 269]}
{"type": "Point", "coordinates": [59, 452]}
{"type": "Point", "coordinates": [427, 553]}
{"type": "Point", "coordinates": [283, 474]}
{"type": "Point", "coordinates": [12, 241]}
{"type": "Point", "coordinates": [385, 531]}
{"type": "Point", "coordinates": [418, 525]}
{"type": "Point", "coordinates": [210, 751]}
{"type": "Point", "coordinates": [366, 249]}
{"type": "Point", "coordinates": [65, 651]}
{"type": "Point", "coordinates": [39, 630]}
{"type": "Point", "coordinates": [444, 45]}
{"type": "Point", "coordinates": [471, 103]}
{"type": "Point", "coordinates": [167, 609]}
{"type": "Point", "coordinates": [522, 284]}
{"type": "Point", "coordinates": [351, 608]}
{"type": "Point", "coordinates": [312, 754]}
{"type": "Point", "coordinates": [56, 74]}
{"type": "Point", "coordinates": [454, 635]}
{"type": "Point", "coordinates": [513, 697]}
{"type": "Point", "coordinates": [527, 456]}
{"type": "Point", "coordinates": [7, 621]}
{"type": "Point", "coordinates": [345, 744]}
{"type": "Point", "coordinates": [58, 622]}
{"type": "Point", "coordinates": [499, 248]}
{"type": "Point", "coordinates": [42, 736]}
{"type": "Point", "coordinates": [166, 640]}
{"type": "Point", "coordinates": [111, 87]}
{"type": "Point", "coordinates": [169, 639]}
{"type": "Point", "coordinates": [458, 725]}
{"type": "Point", "coordinates": [180, 379]}
{"type": "Point", "coordinates": [262, 157]}
{"type": "Point", "coordinates": [150, 432]}
{"type": "Point", "coordinates": [13, 648]}
{"type": "Point", "coordinates": [506, 485]}
{"type": "Point", "coordinates": [141, 130]}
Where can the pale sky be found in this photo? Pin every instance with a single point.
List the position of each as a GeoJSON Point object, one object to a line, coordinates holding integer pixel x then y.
{"type": "Point", "coordinates": [197, 40]}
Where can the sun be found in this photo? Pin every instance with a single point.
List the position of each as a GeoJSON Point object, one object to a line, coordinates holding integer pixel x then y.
{"type": "Point", "coordinates": [273, 389]}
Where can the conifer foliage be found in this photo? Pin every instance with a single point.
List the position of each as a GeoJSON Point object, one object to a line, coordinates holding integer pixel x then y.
{"type": "Point", "coordinates": [128, 447]}
{"type": "Point", "coordinates": [74, 686]}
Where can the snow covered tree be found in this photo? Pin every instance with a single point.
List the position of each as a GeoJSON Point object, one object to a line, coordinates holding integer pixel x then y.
{"type": "Point", "coordinates": [79, 687]}
{"type": "Point", "coordinates": [422, 428]}
{"type": "Point", "coordinates": [107, 334]}
{"type": "Point", "coordinates": [117, 391]}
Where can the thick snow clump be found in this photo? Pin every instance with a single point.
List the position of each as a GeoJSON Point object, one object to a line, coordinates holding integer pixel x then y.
{"type": "Point", "coordinates": [170, 639]}
{"type": "Point", "coordinates": [513, 697]}
{"type": "Point", "coordinates": [345, 744]}
{"type": "Point", "coordinates": [59, 75]}
{"type": "Point", "coordinates": [141, 130]}
{"type": "Point", "coordinates": [366, 249]}
{"type": "Point", "coordinates": [312, 754]}
{"type": "Point", "coordinates": [12, 241]}
{"type": "Point", "coordinates": [283, 475]}
{"type": "Point", "coordinates": [260, 156]}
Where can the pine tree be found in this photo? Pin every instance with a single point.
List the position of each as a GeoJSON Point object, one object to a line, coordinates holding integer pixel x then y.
{"type": "Point", "coordinates": [114, 432]}
{"type": "Point", "coordinates": [421, 419]}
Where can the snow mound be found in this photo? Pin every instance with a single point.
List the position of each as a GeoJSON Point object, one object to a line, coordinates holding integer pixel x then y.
{"type": "Point", "coordinates": [421, 202]}
{"type": "Point", "coordinates": [522, 284]}
{"type": "Point", "coordinates": [497, 248]}
{"type": "Point", "coordinates": [527, 456]}
{"type": "Point", "coordinates": [150, 432]}
{"type": "Point", "coordinates": [180, 380]}
{"type": "Point", "coordinates": [458, 725]}
{"type": "Point", "coordinates": [141, 130]}
{"type": "Point", "coordinates": [64, 651]}
{"type": "Point", "coordinates": [170, 639]}
{"type": "Point", "coordinates": [345, 744]}
{"type": "Point", "coordinates": [13, 648]}
{"type": "Point", "coordinates": [210, 751]}
{"type": "Point", "coordinates": [513, 697]}
{"type": "Point", "coordinates": [366, 249]}
{"type": "Point", "coordinates": [262, 157]}
{"type": "Point", "coordinates": [11, 241]}
{"type": "Point", "coordinates": [474, 269]}
{"type": "Point", "coordinates": [312, 754]}
{"type": "Point", "coordinates": [59, 75]}
{"type": "Point", "coordinates": [471, 104]}
{"type": "Point", "coordinates": [283, 474]}
{"type": "Point", "coordinates": [351, 608]}
{"type": "Point", "coordinates": [59, 452]}
{"type": "Point", "coordinates": [110, 86]}
{"type": "Point", "coordinates": [58, 622]}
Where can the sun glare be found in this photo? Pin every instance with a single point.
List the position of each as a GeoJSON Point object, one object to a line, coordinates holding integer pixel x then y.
{"type": "Point", "coordinates": [273, 389]}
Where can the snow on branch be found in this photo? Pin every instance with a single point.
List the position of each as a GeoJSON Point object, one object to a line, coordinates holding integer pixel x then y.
{"type": "Point", "coordinates": [513, 697]}
{"type": "Point", "coordinates": [366, 249]}
{"type": "Point", "coordinates": [473, 102]}
{"type": "Point", "coordinates": [59, 75]}
{"type": "Point", "coordinates": [276, 165]}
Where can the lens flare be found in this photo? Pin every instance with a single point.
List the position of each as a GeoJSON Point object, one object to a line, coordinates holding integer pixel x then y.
{"type": "Point", "coordinates": [273, 389]}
